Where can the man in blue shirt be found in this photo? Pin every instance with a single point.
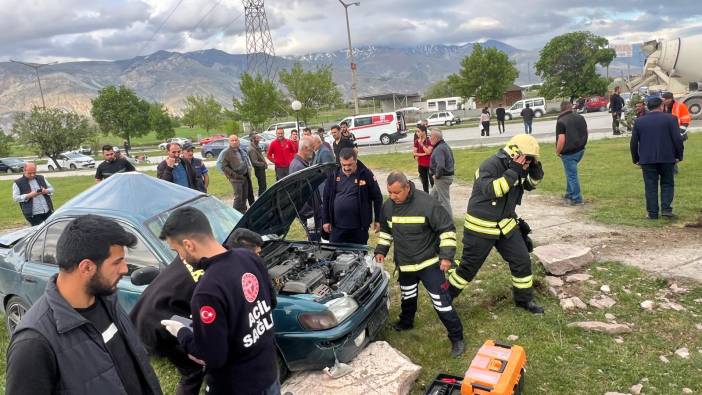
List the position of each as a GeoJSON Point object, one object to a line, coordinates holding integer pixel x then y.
{"type": "Point", "coordinates": [176, 170]}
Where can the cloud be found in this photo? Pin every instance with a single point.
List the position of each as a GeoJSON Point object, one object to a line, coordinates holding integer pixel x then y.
{"type": "Point", "coordinates": [118, 29]}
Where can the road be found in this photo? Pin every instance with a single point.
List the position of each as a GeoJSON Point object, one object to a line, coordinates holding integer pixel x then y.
{"type": "Point", "coordinates": [599, 124]}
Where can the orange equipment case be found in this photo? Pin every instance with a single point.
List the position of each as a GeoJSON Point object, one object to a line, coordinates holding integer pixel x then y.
{"type": "Point", "coordinates": [497, 369]}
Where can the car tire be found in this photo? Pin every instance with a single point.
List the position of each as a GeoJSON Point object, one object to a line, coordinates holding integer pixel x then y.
{"type": "Point", "coordinates": [72, 166]}
{"type": "Point", "coordinates": [15, 309]}
{"type": "Point", "coordinates": [51, 168]}
{"type": "Point", "coordinates": [538, 114]}
{"type": "Point", "coordinates": [9, 171]}
{"type": "Point", "coordinates": [385, 139]}
{"type": "Point", "coordinates": [209, 155]}
{"type": "Point", "coordinates": [508, 117]}
{"type": "Point", "coordinates": [282, 368]}
{"type": "Point", "coordinates": [447, 123]}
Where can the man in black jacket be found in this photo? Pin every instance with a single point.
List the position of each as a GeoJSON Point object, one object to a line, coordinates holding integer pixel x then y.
{"type": "Point", "coordinates": [76, 339]}
{"type": "Point", "coordinates": [111, 165]}
{"type": "Point", "coordinates": [351, 200]}
{"type": "Point", "coordinates": [425, 243]}
{"type": "Point", "coordinates": [500, 114]}
{"type": "Point", "coordinates": [232, 323]}
{"type": "Point", "coordinates": [571, 138]}
{"type": "Point", "coordinates": [176, 170]}
{"type": "Point", "coordinates": [656, 146]}
{"type": "Point", "coordinates": [616, 106]}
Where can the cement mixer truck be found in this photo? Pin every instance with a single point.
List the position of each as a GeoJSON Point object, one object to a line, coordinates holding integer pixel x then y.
{"type": "Point", "coordinates": [674, 66]}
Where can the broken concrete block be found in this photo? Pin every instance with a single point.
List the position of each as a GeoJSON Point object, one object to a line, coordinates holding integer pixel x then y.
{"type": "Point", "coordinates": [578, 277]}
{"type": "Point", "coordinates": [553, 291]}
{"type": "Point", "coordinates": [604, 327]}
{"type": "Point", "coordinates": [379, 369]}
{"type": "Point", "coordinates": [687, 391]}
{"type": "Point", "coordinates": [567, 304]}
{"type": "Point", "coordinates": [553, 281]}
{"type": "Point", "coordinates": [636, 389]}
{"type": "Point", "coordinates": [683, 353]}
{"type": "Point", "coordinates": [559, 259]}
{"type": "Point", "coordinates": [663, 359]}
{"type": "Point", "coordinates": [579, 303]}
{"type": "Point", "coordinates": [677, 289]}
{"type": "Point", "coordinates": [672, 306]}
{"type": "Point", "coordinates": [647, 305]}
{"type": "Point", "coordinates": [602, 302]}
{"type": "Point", "coordinates": [619, 340]}
{"type": "Point", "coordinates": [513, 338]}
{"type": "Point", "coordinates": [605, 289]}
{"type": "Point", "coordinates": [610, 317]}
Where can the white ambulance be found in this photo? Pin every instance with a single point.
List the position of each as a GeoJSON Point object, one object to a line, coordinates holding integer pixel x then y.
{"type": "Point", "coordinates": [382, 128]}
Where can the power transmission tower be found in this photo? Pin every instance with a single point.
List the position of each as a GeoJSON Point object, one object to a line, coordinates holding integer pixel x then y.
{"type": "Point", "coordinates": [260, 54]}
{"type": "Point", "coordinates": [36, 67]}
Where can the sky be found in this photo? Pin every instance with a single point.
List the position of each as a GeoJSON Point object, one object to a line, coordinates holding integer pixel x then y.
{"type": "Point", "coordinates": [71, 30]}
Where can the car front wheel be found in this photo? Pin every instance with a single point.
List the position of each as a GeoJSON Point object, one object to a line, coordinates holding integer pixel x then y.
{"type": "Point", "coordinates": [15, 309]}
{"type": "Point", "coordinates": [447, 123]}
{"type": "Point", "coordinates": [51, 168]}
{"type": "Point", "coordinates": [209, 155]}
{"type": "Point", "coordinates": [538, 114]}
{"type": "Point", "coordinates": [8, 171]}
{"type": "Point", "coordinates": [73, 167]}
{"type": "Point", "coordinates": [508, 117]}
{"type": "Point", "coordinates": [385, 139]}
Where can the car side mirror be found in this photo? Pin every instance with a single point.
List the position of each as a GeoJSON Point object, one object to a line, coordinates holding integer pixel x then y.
{"type": "Point", "coordinates": [144, 275]}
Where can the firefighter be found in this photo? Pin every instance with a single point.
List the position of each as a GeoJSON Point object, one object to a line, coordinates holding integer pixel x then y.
{"type": "Point", "coordinates": [425, 244]}
{"type": "Point", "coordinates": [491, 220]}
{"type": "Point", "coordinates": [679, 110]}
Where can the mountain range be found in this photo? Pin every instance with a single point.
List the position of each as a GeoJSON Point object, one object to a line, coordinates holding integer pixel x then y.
{"type": "Point", "coordinates": [169, 77]}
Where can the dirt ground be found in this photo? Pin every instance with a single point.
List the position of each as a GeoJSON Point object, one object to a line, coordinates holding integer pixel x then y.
{"type": "Point", "coordinates": [674, 251]}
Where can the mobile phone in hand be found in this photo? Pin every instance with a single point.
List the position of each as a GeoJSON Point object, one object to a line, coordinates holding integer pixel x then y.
{"type": "Point", "coordinates": [183, 320]}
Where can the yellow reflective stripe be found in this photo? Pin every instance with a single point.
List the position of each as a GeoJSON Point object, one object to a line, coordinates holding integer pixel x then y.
{"type": "Point", "coordinates": [481, 229]}
{"type": "Point", "coordinates": [523, 282]}
{"type": "Point", "coordinates": [386, 236]}
{"type": "Point", "coordinates": [504, 184]}
{"type": "Point", "coordinates": [195, 274]}
{"type": "Point", "coordinates": [457, 281]}
{"type": "Point", "coordinates": [480, 222]}
{"type": "Point", "coordinates": [533, 181]}
{"type": "Point", "coordinates": [390, 224]}
{"type": "Point", "coordinates": [507, 225]}
{"type": "Point", "coordinates": [408, 220]}
{"type": "Point", "coordinates": [477, 173]}
{"type": "Point", "coordinates": [497, 187]}
{"type": "Point", "coordinates": [447, 235]}
{"type": "Point", "coordinates": [419, 266]}
{"type": "Point", "coordinates": [447, 243]}
{"type": "Point", "coordinates": [384, 242]}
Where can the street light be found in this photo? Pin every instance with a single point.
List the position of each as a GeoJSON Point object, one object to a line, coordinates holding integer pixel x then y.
{"type": "Point", "coordinates": [36, 67]}
{"type": "Point", "coordinates": [296, 106]}
{"type": "Point", "coordinates": [353, 65]}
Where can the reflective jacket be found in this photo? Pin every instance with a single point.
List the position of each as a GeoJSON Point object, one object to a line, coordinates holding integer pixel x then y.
{"type": "Point", "coordinates": [421, 229]}
{"type": "Point", "coordinates": [497, 191]}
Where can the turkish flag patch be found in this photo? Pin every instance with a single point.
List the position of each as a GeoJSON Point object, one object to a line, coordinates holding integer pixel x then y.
{"type": "Point", "coordinates": [207, 314]}
{"type": "Point", "coordinates": [249, 284]}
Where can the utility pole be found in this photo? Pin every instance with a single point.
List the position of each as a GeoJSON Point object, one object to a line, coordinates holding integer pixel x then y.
{"type": "Point", "coordinates": [354, 91]}
{"type": "Point", "coordinates": [260, 53]}
{"type": "Point", "coordinates": [36, 67]}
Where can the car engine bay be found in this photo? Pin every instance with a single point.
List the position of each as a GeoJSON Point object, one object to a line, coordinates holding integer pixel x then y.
{"type": "Point", "coordinates": [315, 269]}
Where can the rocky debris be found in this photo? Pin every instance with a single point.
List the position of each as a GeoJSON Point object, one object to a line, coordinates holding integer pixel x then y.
{"type": "Point", "coordinates": [553, 281]}
{"type": "Point", "coordinates": [604, 327]}
{"type": "Point", "coordinates": [672, 306]}
{"type": "Point", "coordinates": [610, 317]}
{"type": "Point", "coordinates": [578, 277]}
{"type": "Point", "coordinates": [553, 291]}
{"type": "Point", "coordinates": [619, 340]}
{"type": "Point", "coordinates": [636, 389]}
{"type": "Point", "coordinates": [560, 259]}
{"type": "Point", "coordinates": [602, 302]}
{"type": "Point", "coordinates": [513, 338]}
{"type": "Point", "coordinates": [378, 369]}
{"type": "Point", "coordinates": [601, 269]}
{"type": "Point", "coordinates": [698, 300]}
{"type": "Point", "coordinates": [687, 391]}
{"type": "Point", "coordinates": [663, 359]}
{"type": "Point", "coordinates": [606, 289]}
{"type": "Point", "coordinates": [683, 353]}
{"type": "Point", "coordinates": [647, 305]}
{"type": "Point", "coordinates": [615, 393]}
{"type": "Point", "coordinates": [674, 288]}
{"type": "Point", "coordinates": [572, 303]}
{"type": "Point", "coordinates": [699, 327]}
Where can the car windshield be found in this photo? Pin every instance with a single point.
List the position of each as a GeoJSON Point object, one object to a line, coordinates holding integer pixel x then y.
{"type": "Point", "coordinates": [74, 155]}
{"type": "Point", "coordinates": [11, 161]}
{"type": "Point", "coordinates": [222, 219]}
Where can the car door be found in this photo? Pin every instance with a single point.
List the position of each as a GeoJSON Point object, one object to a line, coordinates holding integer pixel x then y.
{"type": "Point", "coordinates": [433, 119]}
{"type": "Point", "coordinates": [141, 255]}
{"type": "Point", "coordinates": [40, 263]}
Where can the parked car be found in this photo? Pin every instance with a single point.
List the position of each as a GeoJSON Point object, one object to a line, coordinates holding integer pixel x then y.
{"type": "Point", "coordinates": [381, 128]}
{"type": "Point", "coordinates": [212, 150]}
{"type": "Point", "coordinates": [595, 103]}
{"type": "Point", "coordinates": [11, 165]}
{"type": "Point", "coordinates": [212, 138]}
{"type": "Point", "coordinates": [332, 298]}
{"type": "Point", "coordinates": [262, 145]}
{"type": "Point", "coordinates": [85, 150]}
{"type": "Point", "coordinates": [72, 160]}
{"type": "Point", "coordinates": [179, 140]}
{"type": "Point", "coordinates": [287, 127]}
{"type": "Point", "coordinates": [445, 118]}
{"type": "Point", "coordinates": [537, 104]}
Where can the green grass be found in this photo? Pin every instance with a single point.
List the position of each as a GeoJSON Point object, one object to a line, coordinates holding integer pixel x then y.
{"type": "Point", "coordinates": [611, 184]}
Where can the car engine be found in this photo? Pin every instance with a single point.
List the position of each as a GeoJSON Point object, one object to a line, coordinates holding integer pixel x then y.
{"type": "Point", "coordinates": [311, 269]}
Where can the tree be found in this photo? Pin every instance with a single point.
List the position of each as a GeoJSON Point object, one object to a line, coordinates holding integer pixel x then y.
{"type": "Point", "coordinates": [485, 74]}
{"type": "Point", "coordinates": [260, 101]}
{"type": "Point", "coordinates": [5, 141]}
{"type": "Point", "coordinates": [314, 89]}
{"type": "Point", "coordinates": [52, 131]}
{"type": "Point", "coordinates": [188, 119]}
{"type": "Point", "coordinates": [121, 112]}
{"type": "Point", "coordinates": [568, 65]}
{"type": "Point", "coordinates": [441, 88]}
{"type": "Point", "coordinates": [205, 112]}
{"type": "Point", "coordinates": [160, 122]}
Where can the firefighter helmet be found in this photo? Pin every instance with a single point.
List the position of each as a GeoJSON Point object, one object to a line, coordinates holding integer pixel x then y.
{"type": "Point", "coordinates": [523, 144]}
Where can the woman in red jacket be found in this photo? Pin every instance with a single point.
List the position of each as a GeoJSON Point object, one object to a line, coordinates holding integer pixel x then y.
{"type": "Point", "coordinates": [422, 152]}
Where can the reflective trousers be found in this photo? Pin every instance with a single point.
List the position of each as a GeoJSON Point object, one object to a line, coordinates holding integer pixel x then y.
{"type": "Point", "coordinates": [436, 286]}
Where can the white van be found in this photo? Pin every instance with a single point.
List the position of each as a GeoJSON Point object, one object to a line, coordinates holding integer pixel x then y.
{"type": "Point", "coordinates": [538, 104]}
{"type": "Point", "coordinates": [287, 127]}
{"type": "Point", "coordinates": [381, 128]}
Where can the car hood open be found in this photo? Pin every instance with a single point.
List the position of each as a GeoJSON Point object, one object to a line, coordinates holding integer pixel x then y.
{"type": "Point", "coordinates": [277, 208]}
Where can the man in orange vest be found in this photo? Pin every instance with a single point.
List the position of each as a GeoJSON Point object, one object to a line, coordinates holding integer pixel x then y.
{"type": "Point", "coordinates": [679, 110]}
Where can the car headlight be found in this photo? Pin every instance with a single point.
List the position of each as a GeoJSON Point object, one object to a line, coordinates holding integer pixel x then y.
{"type": "Point", "coordinates": [338, 310]}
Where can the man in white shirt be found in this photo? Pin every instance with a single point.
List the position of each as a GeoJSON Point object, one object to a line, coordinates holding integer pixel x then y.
{"type": "Point", "coordinates": [33, 193]}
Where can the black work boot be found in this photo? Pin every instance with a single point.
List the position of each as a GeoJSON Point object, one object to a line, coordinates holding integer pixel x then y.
{"type": "Point", "coordinates": [457, 348]}
{"type": "Point", "coordinates": [402, 326]}
{"type": "Point", "coordinates": [453, 292]}
{"type": "Point", "coordinates": [531, 307]}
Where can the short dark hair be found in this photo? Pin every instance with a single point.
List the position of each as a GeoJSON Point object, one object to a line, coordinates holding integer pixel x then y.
{"type": "Point", "coordinates": [667, 95]}
{"type": "Point", "coordinates": [320, 130]}
{"type": "Point", "coordinates": [654, 103]}
{"type": "Point", "coordinates": [527, 105]}
{"type": "Point", "coordinates": [107, 147]}
{"type": "Point", "coordinates": [306, 130]}
{"type": "Point", "coordinates": [186, 222]}
{"type": "Point", "coordinates": [293, 131]}
{"type": "Point", "coordinates": [565, 105]}
{"type": "Point", "coordinates": [244, 238]}
{"type": "Point", "coordinates": [90, 237]}
{"type": "Point", "coordinates": [335, 127]}
{"type": "Point", "coordinates": [348, 153]}
{"type": "Point", "coordinates": [422, 128]}
{"type": "Point", "coordinates": [279, 128]}
{"type": "Point", "coordinates": [397, 176]}
{"type": "Point", "coordinates": [344, 123]}
{"type": "Point", "coordinates": [169, 145]}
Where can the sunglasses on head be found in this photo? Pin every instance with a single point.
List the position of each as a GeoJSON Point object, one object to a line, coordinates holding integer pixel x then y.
{"type": "Point", "coordinates": [530, 158]}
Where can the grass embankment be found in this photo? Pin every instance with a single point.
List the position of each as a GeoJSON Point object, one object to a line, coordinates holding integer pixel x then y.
{"type": "Point", "coordinates": [611, 184]}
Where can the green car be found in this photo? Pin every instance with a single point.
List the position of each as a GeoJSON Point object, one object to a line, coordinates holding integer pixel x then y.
{"type": "Point", "coordinates": [332, 299]}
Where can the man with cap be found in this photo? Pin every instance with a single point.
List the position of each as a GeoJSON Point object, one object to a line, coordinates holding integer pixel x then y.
{"type": "Point", "coordinates": [202, 181]}
{"type": "Point", "coordinates": [679, 110]}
